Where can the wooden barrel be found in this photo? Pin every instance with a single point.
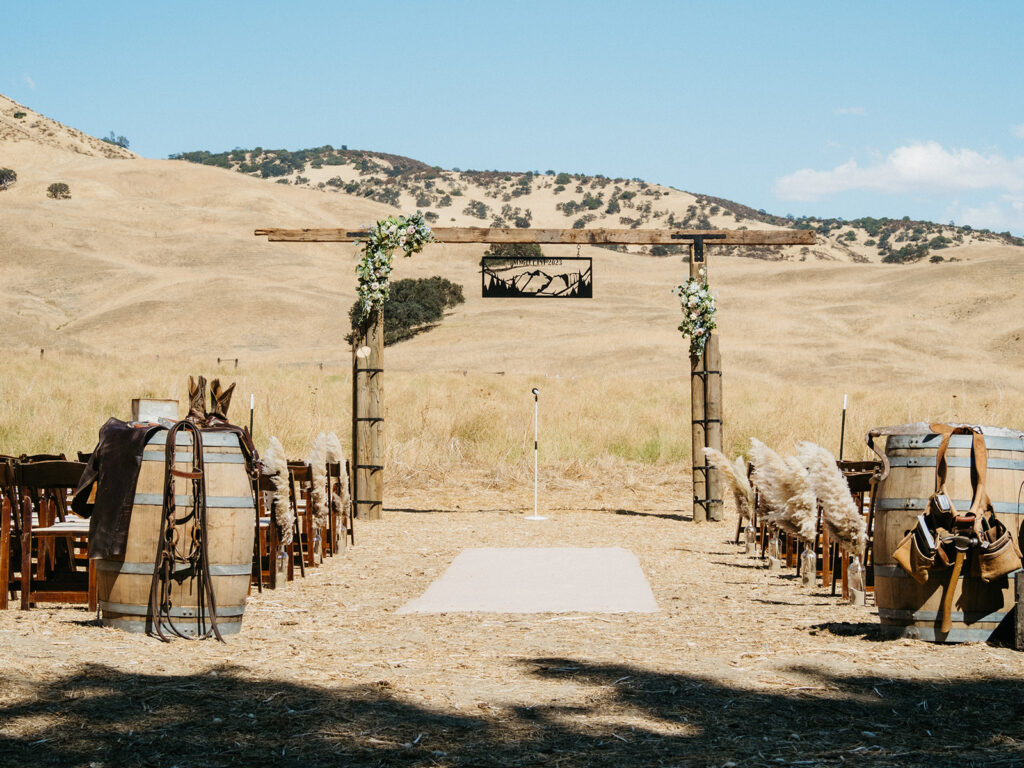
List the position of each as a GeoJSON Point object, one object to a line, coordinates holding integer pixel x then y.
{"type": "Point", "coordinates": [909, 609]}
{"type": "Point", "coordinates": [123, 585]}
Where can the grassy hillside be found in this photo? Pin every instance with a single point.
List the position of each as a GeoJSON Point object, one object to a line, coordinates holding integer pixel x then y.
{"type": "Point", "coordinates": [151, 272]}
{"type": "Point", "coordinates": [521, 199]}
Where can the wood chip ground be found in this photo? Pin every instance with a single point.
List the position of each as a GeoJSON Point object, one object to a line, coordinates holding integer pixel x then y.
{"type": "Point", "coordinates": [740, 667]}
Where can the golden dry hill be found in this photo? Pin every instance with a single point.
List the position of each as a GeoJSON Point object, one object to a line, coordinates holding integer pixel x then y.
{"type": "Point", "coordinates": [157, 257]}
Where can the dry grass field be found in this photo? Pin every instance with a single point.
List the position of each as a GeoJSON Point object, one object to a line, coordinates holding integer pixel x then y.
{"type": "Point", "coordinates": [150, 272]}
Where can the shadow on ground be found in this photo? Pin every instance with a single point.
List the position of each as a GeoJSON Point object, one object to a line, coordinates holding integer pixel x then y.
{"type": "Point", "coordinates": [678, 516]}
{"type": "Point", "coordinates": [103, 717]}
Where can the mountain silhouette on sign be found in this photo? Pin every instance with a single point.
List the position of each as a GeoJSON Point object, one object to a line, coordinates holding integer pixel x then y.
{"type": "Point", "coordinates": [536, 283]}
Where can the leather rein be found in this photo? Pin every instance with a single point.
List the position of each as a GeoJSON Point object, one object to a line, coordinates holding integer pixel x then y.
{"type": "Point", "coordinates": [177, 561]}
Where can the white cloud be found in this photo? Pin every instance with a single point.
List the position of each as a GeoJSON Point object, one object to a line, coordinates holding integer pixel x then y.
{"type": "Point", "coordinates": [1017, 130]}
{"type": "Point", "coordinates": [30, 82]}
{"type": "Point", "coordinates": [1005, 214]}
{"type": "Point", "coordinates": [916, 168]}
{"type": "Point", "coordinates": [851, 111]}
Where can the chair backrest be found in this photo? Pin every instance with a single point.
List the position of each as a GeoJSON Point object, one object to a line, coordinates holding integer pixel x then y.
{"type": "Point", "coordinates": [859, 474]}
{"type": "Point", "coordinates": [7, 477]}
{"type": "Point", "coordinates": [8, 485]}
{"type": "Point", "coordinates": [47, 486]}
{"type": "Point", "coordinates": [10, 498]}
{"type": "Point", "coordinates": [300, 472]}
{"type": "Point", "coordinates": [265, 483]}
{"type": "Point", "coordinates": [26, 458]}
{"type": "Point", "coordinates": [50, 474]}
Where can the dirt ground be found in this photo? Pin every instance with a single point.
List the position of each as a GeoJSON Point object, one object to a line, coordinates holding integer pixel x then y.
{"type": "Point", "coordinates": [740, 667]}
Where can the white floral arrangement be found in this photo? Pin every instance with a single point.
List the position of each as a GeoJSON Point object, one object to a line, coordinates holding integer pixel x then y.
{"type": "Point", "coordinates": [698, 311]}
{"type": "Point", "coordinates": [410, 233]}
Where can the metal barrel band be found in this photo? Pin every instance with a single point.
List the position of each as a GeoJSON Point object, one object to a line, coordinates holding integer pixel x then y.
{"type": "Point", "coordinates": [210, 458]}
{"type": "Point", "coordinates": [954, 461]}
{"type": "Point", "coordinates": [184, 500]}
{"type": "Point", "coordinates": [209, 440]}
{"type": "Point", "coordinates": [116, 566]}
{"type": "Point", "coordinates": [187, 612]}
{"type": "Point", "coordinates": [921, 504]}
{"type": "Point", "coordinates": [992, 442]}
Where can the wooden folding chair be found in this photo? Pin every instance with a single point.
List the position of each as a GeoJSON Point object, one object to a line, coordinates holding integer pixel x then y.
{"type": "Point", "coordinates": [10, 522]}
{"type": "Point", "coordinates": [342, 524]}
{"type": "Point", "coordinates": [267, 542]}
{"type": "Point", "coordinates": [300, 482]}
{"type": "Point", "coordinates": [833, 565]}
{"type": "Point", "coordinates": [861, 478]}
{"type": "Point", "coordinates": [9, 532]}
{"type": "Point", "coordinates": [55, 564]}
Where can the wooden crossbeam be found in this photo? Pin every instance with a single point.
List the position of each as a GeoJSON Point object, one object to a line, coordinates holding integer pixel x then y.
{"type": "Point", "coordinates": [564, 236]}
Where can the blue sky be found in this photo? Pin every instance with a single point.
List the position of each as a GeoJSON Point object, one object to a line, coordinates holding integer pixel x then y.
{"type": "Point", "coordinates": [818, 108]}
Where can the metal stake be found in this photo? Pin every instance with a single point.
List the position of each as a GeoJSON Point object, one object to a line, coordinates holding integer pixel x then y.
{"type": "Point", "coordinates": [536, 421]}
{"type": "Point", "coordinates": [842, 430]}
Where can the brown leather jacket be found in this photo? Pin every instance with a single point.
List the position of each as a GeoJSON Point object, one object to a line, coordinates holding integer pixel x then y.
{"type": "Point", "coordinates": [113, 471]}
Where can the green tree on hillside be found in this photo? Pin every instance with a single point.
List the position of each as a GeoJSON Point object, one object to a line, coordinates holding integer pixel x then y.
{"type": "Point", "coordinates": [413, 306]}
{"type": "Point", "coordinates": [515, 251]}
{"type": "Point", "coordinates": [118, 141]}
{"type": "Point", "coordinates": [59, 191]}
{"type": "Point", "coordinates": [476, 209]}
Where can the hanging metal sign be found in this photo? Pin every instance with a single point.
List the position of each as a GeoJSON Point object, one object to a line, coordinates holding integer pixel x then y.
{"type": "Point", "coordinates": [570, 277]}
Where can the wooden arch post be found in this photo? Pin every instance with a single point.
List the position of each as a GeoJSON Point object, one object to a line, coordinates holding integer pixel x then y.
{"type": "Point", "coordinates": [705, 412]}
{"type": "Point", "coordinates": [368, 419]}
{"type": "Point", "coordinates": [705, 372]}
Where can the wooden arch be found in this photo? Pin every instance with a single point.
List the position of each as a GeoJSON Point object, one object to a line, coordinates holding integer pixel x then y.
{"type": "Point", "coordinates": [705, 371]}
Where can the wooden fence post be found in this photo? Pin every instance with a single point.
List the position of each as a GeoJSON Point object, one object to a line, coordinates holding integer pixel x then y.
{"type": "Point", "coordinates": [368, 420]}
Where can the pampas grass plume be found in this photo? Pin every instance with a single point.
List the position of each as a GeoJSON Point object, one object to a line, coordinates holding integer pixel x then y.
{"type": "Point", "coordinates": [336, 455]}
{"type": "Point", "coordinates": [840, 516]}
{"type": "Point", "coordinates": [276, 465]}
{"type": "Point", "coordinates": [786, 491]}
{"type": "Point", "coordinates": [736, 476]}
{"type": "Point", "coordinates": [318, 464]}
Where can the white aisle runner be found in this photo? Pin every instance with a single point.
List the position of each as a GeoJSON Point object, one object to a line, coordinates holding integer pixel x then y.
{"type": "Point", "coordinates": [539, 580]}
